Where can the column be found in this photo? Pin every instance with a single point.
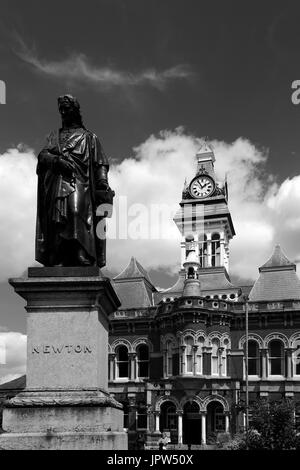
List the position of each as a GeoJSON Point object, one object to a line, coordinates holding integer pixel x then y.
{"type": "Point", "coordinates": [222, 249]}
{"type": "Point", "coordinates": [289, 363]}
{"type": "Point", "coordinates": [208, 236]}
{"type": "Point", "coordinates": [165, 362]}
{"type": "Point", "coordinates": [227, 422]}
{"type": "Point", "coordinates": [203, 428]}
{"type": "Point", "coordinates": [220, 354]}
{"type": "Point", "coordinates": [112, 357]}
{"type": "Point", "coordinates": [149, 414]}
{"type": "Point", "coordinates": [196, 241]}
{"type": "Point", "coordinates": [182, 247]}
{"type": "Point", "coordinates": [180, 413]}
{"type": "Point", "coordinates": [132, 357]}
{"type": "Point", "coordinates": [195, 349]}
{"type": "Point", "coordinates": [157, 414]}
{"type": "Point", "coordinates": [182, 359]}
{"type": "Point", "coordinates": [244, 421]}
{"type": "Point", "coordinates": [264, 363]}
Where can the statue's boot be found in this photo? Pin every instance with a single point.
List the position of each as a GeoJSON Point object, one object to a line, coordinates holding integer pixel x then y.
{"type": "Point", "coordinates": [82, 258]}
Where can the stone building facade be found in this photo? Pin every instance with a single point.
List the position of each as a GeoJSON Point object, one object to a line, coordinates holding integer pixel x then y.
{"type": "Point", "coordinates": [177, 357]}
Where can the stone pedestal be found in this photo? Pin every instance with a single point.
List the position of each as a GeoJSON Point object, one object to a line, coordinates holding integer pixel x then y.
{"type": "Point", "coordinates": [65, 404]}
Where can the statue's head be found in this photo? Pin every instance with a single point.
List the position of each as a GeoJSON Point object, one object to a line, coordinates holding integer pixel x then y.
{"type": "Point", "coordinates": [69, 109]}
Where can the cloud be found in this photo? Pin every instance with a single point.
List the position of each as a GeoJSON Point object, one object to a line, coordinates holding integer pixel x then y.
{"type": "Point", "coordinates": [14, 345]}
{"type": "Point", "coordinates": [78, 68]}
{"type": "Point", "coordinates": [17, 210]}
{"type": "Point", "coordinates": [264, 212]}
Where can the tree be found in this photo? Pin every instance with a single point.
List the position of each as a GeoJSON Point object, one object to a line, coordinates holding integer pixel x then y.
{"type": "Point", "coordinates": [274, 421]}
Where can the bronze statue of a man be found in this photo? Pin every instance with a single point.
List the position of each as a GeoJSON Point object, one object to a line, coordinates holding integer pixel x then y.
{"type": "Point", "coordinates": [72, 182]}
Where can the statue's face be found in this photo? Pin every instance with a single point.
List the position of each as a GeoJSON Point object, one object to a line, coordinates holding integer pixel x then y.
{"type": "Point", "coordinates": [65, 107]}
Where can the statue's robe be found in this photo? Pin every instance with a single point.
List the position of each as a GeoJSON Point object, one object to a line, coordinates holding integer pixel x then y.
{"type": "Point", "coordinates": [67, 196]}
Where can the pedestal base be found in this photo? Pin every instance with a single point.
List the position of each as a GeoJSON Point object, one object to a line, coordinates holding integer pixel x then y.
{"type": "Point", "coordinates": [64, 441]}
{"type": "Point", "coordinates": [57, 420]}
{"type": "Point", "coordinates": [65, 405]}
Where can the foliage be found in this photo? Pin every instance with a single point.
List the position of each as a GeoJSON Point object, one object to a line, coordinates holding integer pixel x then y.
{"type": "Point", "coordinates": [274, 425]}
{"type": "Point", "coordinates": [223, 438]}
{"type": "Point", "coordinates": [272, 428]}
{"type": "Point", "coordinates": [237, 443]}
{"type": "Point", "coordinates": [211, 438]}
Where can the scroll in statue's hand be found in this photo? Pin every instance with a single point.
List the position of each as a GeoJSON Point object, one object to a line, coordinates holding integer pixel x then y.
{"type": "Point", "coordinates": [104, 201]}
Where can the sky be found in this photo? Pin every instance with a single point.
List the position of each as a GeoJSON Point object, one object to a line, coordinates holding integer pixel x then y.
{"type": "Point", "coordinates": [154, 78]}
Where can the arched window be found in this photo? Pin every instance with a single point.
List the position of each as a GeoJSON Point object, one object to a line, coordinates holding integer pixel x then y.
{"type": "Point", "coordinates": [203, 252]}
{"type": "Point", "coordinates": [122, 362]}
{"type": "Point", "coordinates": [276, 357]}
{"type": "Point", "coordinates": [169, 359]}
{"type": "Point", "coordinates": [215, 249]}
{"type": "Point", "coordinates": [215, 357]}
{"type": "Point", "coordinates": [253, 357]}
{"type": "Point", "coordinates": [168, 417]}
{"type": "Point", "coordinates": [143, 360]}
{"type": "Point", "coordinates": [189, 343]}
{"type": "Point", "coordinates": [199, 358]}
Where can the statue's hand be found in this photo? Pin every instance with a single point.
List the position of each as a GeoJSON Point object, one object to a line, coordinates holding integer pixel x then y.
{"type": "Point", "coordinates": [45, 160]}
{"type": "Point", "coordinates": [54, 150]}
{"type": "Point", "coordinates": [104, 196]}
{"type": "Point", "coordinates": [103, 185]}
{"type": "Point", "coordinates": [63, 167]}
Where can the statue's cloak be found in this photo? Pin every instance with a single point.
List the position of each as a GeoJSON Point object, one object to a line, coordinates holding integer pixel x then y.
{"type": "Point", "coordinates": [67, 203]}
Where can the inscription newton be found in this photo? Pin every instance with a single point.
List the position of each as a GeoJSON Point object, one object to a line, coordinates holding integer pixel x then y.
{"type": "Point", "coordinates": [62, 348]}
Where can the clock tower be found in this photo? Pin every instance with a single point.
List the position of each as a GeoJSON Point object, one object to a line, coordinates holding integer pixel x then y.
{"type": "Point", "coordinates": [206, 227]}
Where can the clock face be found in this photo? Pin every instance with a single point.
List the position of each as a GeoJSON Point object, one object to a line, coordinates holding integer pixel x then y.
{"type": "Point", "coordinates": [202, 186]}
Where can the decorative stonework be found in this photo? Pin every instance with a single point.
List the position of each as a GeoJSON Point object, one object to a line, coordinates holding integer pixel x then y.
{"type": "Point", "coordinates": [142, 340]}
{"type": "Point", "coordinates": [121, 342]}
{"type": "Point", "coordinates": [215, 397]}
{"type": "Point", "coordinates": [279, 336]}
{"type": "Point", "coordinates": [165, 398]}
{"type": "Point", "coordinates": [28, 399]}
{"type": "Point", "coordinates": [292, 339]}
{"type": "Point", "coordinates": [251, 337]}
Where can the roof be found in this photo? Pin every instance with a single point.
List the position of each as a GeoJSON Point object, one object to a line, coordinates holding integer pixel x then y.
{"type": "Point", "coordinates": [212, 280]}
{"type": "Point", "coordinates": [134, 287]}
{"type": "Point", "coordinates": [205, 148]}
{"type": "Point", "coordinates": [133, 270]}
{"type": "Point", "coordinates": [277, 279]}
{"type": "Point", "coordinates": [277, 260]}
{"type": "Point", "coordinates": [16, 384]}
{"type": "Point", "coordinates": [134, 293]}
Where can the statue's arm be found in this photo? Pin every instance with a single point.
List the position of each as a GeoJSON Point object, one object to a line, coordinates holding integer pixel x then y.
{"type": "Point", "coordinates": [101, 164]}
{"type": "Point", "coordinates": [45, 160]}
{"type": "Point", "coordinates": [104, 194]}
{"type": "Point", "coordinates": [51, 159]}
